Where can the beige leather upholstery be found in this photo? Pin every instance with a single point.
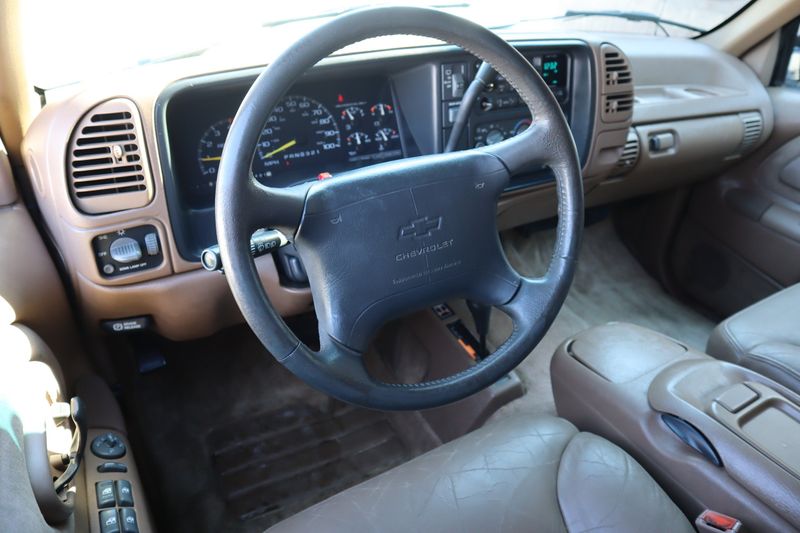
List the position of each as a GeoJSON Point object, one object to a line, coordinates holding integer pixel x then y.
{"type": "Point", "coordinates": [765, 337]}
{"type": "Point", "coordinates": [520, 474]}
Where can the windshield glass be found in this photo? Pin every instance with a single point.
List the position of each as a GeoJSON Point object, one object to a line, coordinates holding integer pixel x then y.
{"type": "Point", "coordinates": [65, 42]}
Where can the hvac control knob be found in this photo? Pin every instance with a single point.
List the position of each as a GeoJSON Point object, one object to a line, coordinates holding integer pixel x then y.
{"type": "Point", "coordinates": [125, 250]}
{"type": "Point", "coordinates": [494, 137]}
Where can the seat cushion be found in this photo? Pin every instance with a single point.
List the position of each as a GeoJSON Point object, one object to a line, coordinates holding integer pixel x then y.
{"type": "Point", "coordinates": [520, 474]}
{"type": "Point", "coordinates": [764, 337]}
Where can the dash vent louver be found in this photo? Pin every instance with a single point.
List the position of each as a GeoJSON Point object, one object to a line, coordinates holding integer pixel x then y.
{"type": "Point", "coordinates": [630, 154]}
{"type": "Point", "coordinates": [617, 85]}
{"type": "Point", "coordinates": [753, 127]}
{"type": "Point", "coordinates": [617, 104]}
{"type": "Point", "coordinates": [616, 70]}
{"type": "Point", "coordinates": [107, 167]}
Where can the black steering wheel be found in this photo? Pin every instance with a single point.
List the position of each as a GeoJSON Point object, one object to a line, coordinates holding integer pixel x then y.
{"type": "Point", "coordinates": [381, 241]}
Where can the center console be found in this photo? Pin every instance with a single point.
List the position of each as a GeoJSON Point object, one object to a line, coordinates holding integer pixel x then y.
{"type": "Point", "coordinates": [713, 434]}
{"type": "Point", "coordinates": [500, 113]}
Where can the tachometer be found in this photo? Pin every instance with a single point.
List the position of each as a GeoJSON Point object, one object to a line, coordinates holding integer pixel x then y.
{"type": "Point", "coordinates": [209, 152]}
{"type": "Point", "coordinates": [296, 134]}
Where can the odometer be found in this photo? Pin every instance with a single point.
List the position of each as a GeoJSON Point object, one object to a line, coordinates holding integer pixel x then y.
{"type": "Point", "coordinates": [297, 135]}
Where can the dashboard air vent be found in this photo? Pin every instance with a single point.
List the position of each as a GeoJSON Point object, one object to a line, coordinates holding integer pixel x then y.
{"type": "Point", "coordinates": [616, 70]}
{"type": "Point", "coordinates": [616, 85]}
{"type": "Point", "coordinates": [617, 106]}
{"type": "Point", "coordinates": [107, 167]}
{"type": "Point", "coordinates": [753, 127]}
{"type": "Point", "coordinates": [630, 154]}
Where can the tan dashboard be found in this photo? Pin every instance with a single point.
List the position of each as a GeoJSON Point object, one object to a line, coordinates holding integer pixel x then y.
{"type": "Point", "coordinates": [661, 114]}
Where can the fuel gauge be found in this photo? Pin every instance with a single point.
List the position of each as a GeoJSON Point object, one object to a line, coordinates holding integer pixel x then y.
{"type": "Point", "coordinates": [351, 117]}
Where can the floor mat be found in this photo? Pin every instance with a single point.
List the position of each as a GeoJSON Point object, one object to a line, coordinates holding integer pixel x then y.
{"type": "Point", "coordinates": [229, 440]}
{"type": "Point", "coordinates": [609, 285]}
{"type": "Point", "coordinates": [273, 465]}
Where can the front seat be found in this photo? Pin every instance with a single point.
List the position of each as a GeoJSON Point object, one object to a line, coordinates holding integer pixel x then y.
{"type": "Point", "coordinates": [763, 337]}
{"type": "Point", "coordinates": [523, 473]}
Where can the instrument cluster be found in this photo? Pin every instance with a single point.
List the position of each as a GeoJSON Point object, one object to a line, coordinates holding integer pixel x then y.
{"type": "Point", "coordinates": [315, 130]}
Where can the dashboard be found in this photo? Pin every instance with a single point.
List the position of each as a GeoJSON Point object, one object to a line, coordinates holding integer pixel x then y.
{"type": "Point", "coordinates": [334, 120]}
{"type": "Point", "coordinates": [124, 169]}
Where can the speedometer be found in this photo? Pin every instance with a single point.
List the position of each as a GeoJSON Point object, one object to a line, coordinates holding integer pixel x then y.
{"type": "Point", "coordinates": [298, 132]}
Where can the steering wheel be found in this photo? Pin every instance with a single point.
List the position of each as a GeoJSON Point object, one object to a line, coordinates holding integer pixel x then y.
{"type": "Point", "coordinates": [384, 240]}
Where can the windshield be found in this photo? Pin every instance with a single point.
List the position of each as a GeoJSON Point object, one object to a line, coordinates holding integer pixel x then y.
{"type": "Point", "coordinates": [65, 42]}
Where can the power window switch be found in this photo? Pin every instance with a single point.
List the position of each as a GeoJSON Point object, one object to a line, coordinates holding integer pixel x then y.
{"type": "Point", "coordinates": [124, 493]}
{"type": "Point", "coordinates": [105, 494]}
{"type": "Point", "coordinates": [109, 521]}
{"type": "Point", "coordinates": [129, 522]}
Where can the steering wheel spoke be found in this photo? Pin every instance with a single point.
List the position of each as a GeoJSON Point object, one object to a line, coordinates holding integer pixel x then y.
{"type": "Point", "coordinates": [270, 207]}
{"type": "Point", "coordinates": [529, 150]}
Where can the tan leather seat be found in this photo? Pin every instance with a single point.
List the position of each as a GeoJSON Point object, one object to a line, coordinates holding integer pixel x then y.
{"type": "Point", "coordinates": [521, 474]}
{"type": "Point", "coordinates": [765, 337]}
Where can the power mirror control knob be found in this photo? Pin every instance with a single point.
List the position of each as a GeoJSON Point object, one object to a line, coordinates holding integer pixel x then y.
{"type": "Point", "coordinates": [108, 446]}
{"type": "Point", "coordinates": [125, 250]}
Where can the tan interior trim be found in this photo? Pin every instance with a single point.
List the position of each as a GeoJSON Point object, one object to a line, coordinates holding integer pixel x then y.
{"type": "Point", "coordinates": [8, 191]}
{"type": "Point", "coordinates": [762, 57]}
{"type": "Point", "coordinates": [752, 26]}
{"type": "Point", "coordinates": [15, 98]}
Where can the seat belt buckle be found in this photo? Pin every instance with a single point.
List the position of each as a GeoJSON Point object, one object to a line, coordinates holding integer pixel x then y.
{"type": "Point", "coordinates": [713, 522]}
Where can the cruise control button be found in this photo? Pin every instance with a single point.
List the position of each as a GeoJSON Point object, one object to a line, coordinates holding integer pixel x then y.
{"type": "Point", "coordinates": [109, 521]}
{"type": "Point", "coordinates": [129, 522]}
{"type": "Point", "coordinates": [105, 494]}
{"type": "Point", "coordinates": [124, 493]}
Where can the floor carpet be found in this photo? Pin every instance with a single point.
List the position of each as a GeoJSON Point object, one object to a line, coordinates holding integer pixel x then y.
{"type": "Point", "coordinates": [231, 441]}
{"type": "Point", "coordinates": [610, 285]}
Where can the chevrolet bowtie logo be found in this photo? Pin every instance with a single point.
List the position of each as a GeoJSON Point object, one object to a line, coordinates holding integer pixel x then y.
{"type": "Point", "coordinates": [421, 227]}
